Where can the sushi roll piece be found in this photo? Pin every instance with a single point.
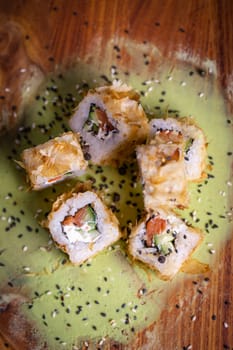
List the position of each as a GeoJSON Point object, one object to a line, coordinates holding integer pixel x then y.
{"type": "Point", "coordinates": [54, 161]}
{"type": "Point", "coordinates": [111, 122]}
{"type": "Point", "coordinates": [163, 242]}
{"type": "Point", "coordinates": [195, 145]}
{"type": "Point", "coordinates": [162, 171]}
{"type": "Point", "coordinates": [82, 225]}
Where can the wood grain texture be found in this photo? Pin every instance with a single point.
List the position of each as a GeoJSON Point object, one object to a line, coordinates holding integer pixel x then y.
{"type": "Point", "coordinates": [44, 34]}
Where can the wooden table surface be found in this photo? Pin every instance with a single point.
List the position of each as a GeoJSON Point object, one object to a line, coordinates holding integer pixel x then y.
{"type": "Point", "coordinates": [45, 34]}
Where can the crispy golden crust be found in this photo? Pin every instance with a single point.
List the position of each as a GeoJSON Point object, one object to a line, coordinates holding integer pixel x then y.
{"type": "Point", "coordinates": [135, 257]}
{"type": "Point", "coordinates": [53, 159]}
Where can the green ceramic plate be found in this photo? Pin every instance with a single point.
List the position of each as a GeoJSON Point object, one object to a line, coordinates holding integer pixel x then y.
{"type": "Point", "coordinates": [110, 296]}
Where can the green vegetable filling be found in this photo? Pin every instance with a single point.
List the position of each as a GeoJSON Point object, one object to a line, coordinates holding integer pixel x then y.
{"type": "Point", "coordinates": [188, 144]}
{"type": "Point", "coordinates": [164, 243]}
{"type": "Point", "coordinates": [92, 123]}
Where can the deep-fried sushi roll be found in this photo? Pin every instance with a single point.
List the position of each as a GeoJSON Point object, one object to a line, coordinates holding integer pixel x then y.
{"type": "Point", "coordinates": [111, 122]}
{"type": "Point", "coordinates": [54, 161]}
{"type": "Point", "coordinates": [162, 171]}
{"type": "Point", "coordinates": [194, 143]}
{"type": "Point", "coordinates": [163, 241]}
{"type": "Point", "coordinates": [82, 225]}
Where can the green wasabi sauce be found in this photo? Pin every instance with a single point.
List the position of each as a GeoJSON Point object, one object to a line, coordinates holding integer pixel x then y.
{"type": "Point", "coordinates": [109, 296]}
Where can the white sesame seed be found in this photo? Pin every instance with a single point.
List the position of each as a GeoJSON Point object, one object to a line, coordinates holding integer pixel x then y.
{"type": "Point", "coordinates": [210, 244]}
{"type": "Point", "coordinates": [212, 251]}
{"type": "Point", "coordinates": [101, 342]}
{"type": "Point", "coordinates": [169, 78]}
{"type": "Point", "coordinates": [183, 83]}
{"type": "Point", "coordinates": [49, 292]}
{"type": "Point", "coordinates": [225, 324]}
{"type": "Point", "coordinates": [25, 248]}
{"type": "Point", "coordinates": [43, 249]}
{"type": "Point", "coordinates": [112, 323]}
{"type": "Point", "coordinates": [26, 268]}
{"type": "Point", "coordinates": [3, 218]}
{"type": "Point", "coordinates": [193, 318]}
{"type": "Point", "coordinates": [229, 183]}
{"type": "Point", "coordinates": [54, 313]}
{"type": "Point", "coordinates": [7, 89]}
{"type": "Point", "coordinates": [201, 94]}
{"type": "Point", "coordinates": [20, 188]}
{"type": "Point", "coordinates": [151, 88]}
{"type": "Point", "coordinates": [23, 70]}
{"type": "Point", "coordinates": [157, 81]}
{"type": "Point", "coordinates": [222, 193]}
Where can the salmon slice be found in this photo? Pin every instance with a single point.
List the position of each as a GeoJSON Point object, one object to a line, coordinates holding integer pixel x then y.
{"type": "Point", "coordinates": [103, 120]}
{"type": "Point", "coordinates": [78, 219]}
{"type": "Point", "coordinates": [154, 226]}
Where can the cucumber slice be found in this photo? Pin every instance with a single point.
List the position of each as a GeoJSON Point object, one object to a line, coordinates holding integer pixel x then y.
{"type": "Point", "coordinates": [188, 144]}
{"type": "Point", "coordinates": [92, 122]}
{"type": "Point", "coordinates": [90, 215]}
{"type": "Point", "coordinates": [164, 243]}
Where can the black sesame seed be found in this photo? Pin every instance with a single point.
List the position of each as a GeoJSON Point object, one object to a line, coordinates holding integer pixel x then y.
{"type": "Point", "coordinates": [116, 48]}
{"type": "Point", "coordinates": [181, 30]}
{"type": "Point", "coordinates": [201, 72]}
{"type": "Point", "coordinates": [214, 317]}
{"type": "Point", "coordinates": [116, 197]}
{"type": "Point", "coordinates": [161, 259]}
{"type": "Point", "coordinates": [103, 314]}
